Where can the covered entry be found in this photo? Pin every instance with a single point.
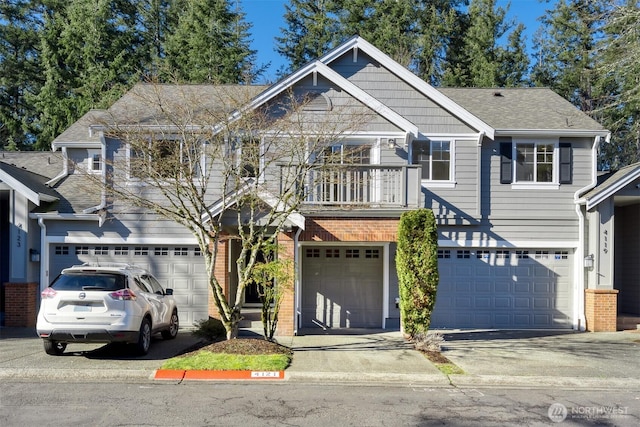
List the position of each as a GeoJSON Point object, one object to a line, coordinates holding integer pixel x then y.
{"type": "Point", "coordinates": [342, 287]}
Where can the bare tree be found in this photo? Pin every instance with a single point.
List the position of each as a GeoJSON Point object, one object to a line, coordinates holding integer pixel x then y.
{"type": "Point", "coordinates": [222, 164]}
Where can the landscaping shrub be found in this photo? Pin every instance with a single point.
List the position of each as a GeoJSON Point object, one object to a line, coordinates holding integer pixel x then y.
{"type": "Point", "coordinates": [210, 329]}
{"type": "Point", "coordinates": [417, 267]}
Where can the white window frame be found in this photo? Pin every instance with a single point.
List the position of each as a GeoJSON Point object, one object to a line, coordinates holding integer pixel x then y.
{"type": "Point", "coordinates": [442, 183]}
{"type": "Point", "coordinates": [91, 162]}
{"type": "Point", "coordinates": [132, 178]}
{"type": "Point", "coordinates": [534, 185]}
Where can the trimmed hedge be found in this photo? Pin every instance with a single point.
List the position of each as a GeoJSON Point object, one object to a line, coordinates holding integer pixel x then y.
{"type": "Point", "coordinates": [417, 267]}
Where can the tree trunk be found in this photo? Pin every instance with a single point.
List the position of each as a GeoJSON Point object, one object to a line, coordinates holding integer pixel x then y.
{"type": "Point", "coordinates": [234, 324]}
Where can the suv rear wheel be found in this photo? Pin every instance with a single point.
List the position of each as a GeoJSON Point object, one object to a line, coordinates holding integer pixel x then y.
{"type": "Point", "coordinates": [54, 348]}
{"type": "Point", "coordinates": [172, 332]}
{"type": "Point", "coordinates": [144, 337]}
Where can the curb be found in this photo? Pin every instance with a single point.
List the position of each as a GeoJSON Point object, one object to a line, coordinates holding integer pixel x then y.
{"type": "Point", "coordinates": [201, 375]}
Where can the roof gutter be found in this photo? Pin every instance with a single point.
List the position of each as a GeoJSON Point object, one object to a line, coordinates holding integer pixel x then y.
{"type": "Point", "coordinates": [65, 169]}
{"type": "Point", "coordinates": [575, 133]}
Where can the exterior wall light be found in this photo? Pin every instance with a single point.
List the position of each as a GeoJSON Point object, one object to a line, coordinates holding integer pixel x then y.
{"type": "Point", "coordinates": [588, 261]}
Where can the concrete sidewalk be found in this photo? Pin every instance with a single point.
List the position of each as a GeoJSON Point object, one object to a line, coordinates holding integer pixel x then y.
{"type": "Point", "coordinates": [488, 358]}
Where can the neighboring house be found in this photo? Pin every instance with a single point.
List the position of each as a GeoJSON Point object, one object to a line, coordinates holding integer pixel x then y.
{"type": "Point", "coordinates": [526, 233]}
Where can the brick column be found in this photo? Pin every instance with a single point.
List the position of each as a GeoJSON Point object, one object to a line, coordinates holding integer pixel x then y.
{"type": "Point", "coordinates": [601, 309]}
{"type": "Point", "coordinates": [21, 304]}
{"type": "Point", "coordinates": [287, 316]}
{"type": "Point", "coordinates": [221, 273]}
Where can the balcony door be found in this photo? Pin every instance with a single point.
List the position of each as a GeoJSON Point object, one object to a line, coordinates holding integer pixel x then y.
{"type": "Point", "coordinates": [344, 177]}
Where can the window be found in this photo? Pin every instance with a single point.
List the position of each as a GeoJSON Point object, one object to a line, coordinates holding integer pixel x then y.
{"type": "Point", "coordinates": [101, 250]}
{"type": "Point", "coordinates": [463, 254]}
{"type": "Point", "coordinates": [249, 158]}
{"type": "Point", "coordinates": [169, 158]}
{"type": "Point", "coordinates": [62, 250]}
{"type": "Point", "coordinates": [372, 253]}
{"type": "Point", "coordinates": [164, 251]}
{"type": "Point", "coordinates": [435, 158]}
{"type": "Point", "coordinates": [121, 250]}
{"type": "Point", "coordinates": [536, 162]}
{"type": "Point", "coordinates": [141, 250]}
{"type": "Point", "coordinates": [444, 253]}
{"type": "Point", "coordinates": [332, 253]}
{"type": "Point", "coordinates": [352, 253]}
{"type": "Point", "coordinates": [82, 250]}
{"type": "Point", "coordinates": [312, 253]}
{"type": "Point", "coordinates": [180, 251]}
{"type": "Point", "coordinates": [95, 162]}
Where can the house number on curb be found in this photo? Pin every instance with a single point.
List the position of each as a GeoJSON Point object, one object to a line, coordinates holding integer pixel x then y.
{"type": "Point", "coordinates": [267, 374]}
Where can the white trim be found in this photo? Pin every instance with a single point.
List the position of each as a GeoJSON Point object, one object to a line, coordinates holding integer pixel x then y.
{"type": "Point", "coordinates": [554, 184]}
{"type": "Point", "coordinates": [93, 240]}
{"type": "Point", "coordinates": [438, 184]}
{"type": "Point", "coordinates": [516, 244]}
{"type": "Point", "coordinates": [79, 144]}
{"type": "Point", "coordinates": [549, 133]}
{"type": "Point", "coordinates": [385, 284]}
{"type": "Point", "coordinates": [612, 190]}
{"type": "Point", "coordinates": [534, 186]}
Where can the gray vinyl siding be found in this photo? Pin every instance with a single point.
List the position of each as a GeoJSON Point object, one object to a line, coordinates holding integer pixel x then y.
{"type": "Point", "coordinates": [398, 95]}
{"type": "Point", "coordinates": [461, 202]}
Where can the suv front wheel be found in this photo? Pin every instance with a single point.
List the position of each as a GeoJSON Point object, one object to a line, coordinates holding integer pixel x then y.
{"type": "Point", "coordinates": [172, 332]}
{"type": "Point", "coordinates": [144, 337]}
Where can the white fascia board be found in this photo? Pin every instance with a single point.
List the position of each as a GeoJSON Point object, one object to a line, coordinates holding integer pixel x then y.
{"type": "Point", "coordinates": [18, 186]}
{"type": "Point", "coordinates": [604, 195]}
{"type": "Point", "coordinates": [416, 82]}
{"type": "Point", "coordinates": [499, 244]}
{"type": "Point", "coordinates": [576, 133]}
{"type": "Point", "coordinates": [65, 217]}
{"type": "Point", "coordinates": [76, 144]}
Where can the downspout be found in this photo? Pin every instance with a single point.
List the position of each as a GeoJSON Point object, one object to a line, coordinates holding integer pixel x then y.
{"type": "Point", "coordinates": [44, 256]}
{"type": "Point", "coordinates": [65, 169]}
{"type": "Point", "coordinates": [296, 284]}
{"type": "Point", "coordinates": [579, 321]}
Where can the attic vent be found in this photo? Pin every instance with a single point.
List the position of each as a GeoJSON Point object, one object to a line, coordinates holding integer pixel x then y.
{"type": "Point", "coordinates": [317, 102]}
{"type": "Point", "coordinates": [497, 93]}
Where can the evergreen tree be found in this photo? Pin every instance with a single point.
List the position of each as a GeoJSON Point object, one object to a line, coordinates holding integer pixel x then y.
{"type": "Point", "coordinates": [311, 31]}
{"type": "Point", "coordinates": [482, 61]}
{"type": "Point", "coordinates": [618, 70]}
{"type": "Point", "coordinates": [210, 44]}
{"type": "Point", "coordinates": [89, 58]}
{"type": "Point", "coordinates": [565, 50]}
{"type": "Point", "coordinates": [19, 73]}
{"type": "Point", "coordinates": [155, 21]}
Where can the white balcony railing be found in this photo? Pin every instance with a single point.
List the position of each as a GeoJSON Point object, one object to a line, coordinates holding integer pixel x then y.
{"type": "Point", "coordinates": [374, 186]}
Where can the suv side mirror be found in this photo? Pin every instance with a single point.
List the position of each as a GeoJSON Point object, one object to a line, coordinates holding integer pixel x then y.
{"type": "Point", "coordinates": [168, 291]}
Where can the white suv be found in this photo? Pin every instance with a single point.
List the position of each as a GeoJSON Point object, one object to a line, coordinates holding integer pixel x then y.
{"type": "Point", "coordinates": [105, 303]}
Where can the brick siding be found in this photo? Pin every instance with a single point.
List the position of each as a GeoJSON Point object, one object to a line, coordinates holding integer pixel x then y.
{"type": "Point", "coordinates": [21, 304]}
{"type": "Point", "coordinates": [601, 307]}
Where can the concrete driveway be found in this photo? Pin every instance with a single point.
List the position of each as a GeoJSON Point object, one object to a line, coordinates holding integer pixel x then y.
{"type": "Point", "coordinates": [488, 358]}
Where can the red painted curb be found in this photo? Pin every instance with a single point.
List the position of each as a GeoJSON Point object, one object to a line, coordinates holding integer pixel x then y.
{"type": "Point", "coordinates": [226, 375]}
{"type": "Point", "coordinates": [169, 374]}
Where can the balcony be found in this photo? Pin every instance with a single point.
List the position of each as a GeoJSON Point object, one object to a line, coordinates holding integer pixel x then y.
{"type": "Point", "coordinates": [357, 186]}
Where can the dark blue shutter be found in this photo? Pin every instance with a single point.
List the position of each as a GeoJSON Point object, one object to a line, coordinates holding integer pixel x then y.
{"type": "Point", "coordinates": [566, 163]}
{"type": "Point", "coordinates": [506, 165]}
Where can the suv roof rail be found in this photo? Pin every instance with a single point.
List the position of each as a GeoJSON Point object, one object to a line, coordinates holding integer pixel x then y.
{"type": "Point", "coordinates": [108, 264]}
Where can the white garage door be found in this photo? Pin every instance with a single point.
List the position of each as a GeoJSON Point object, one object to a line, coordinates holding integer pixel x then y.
{"type": "Point", "coordinates": [342, 287]}
{"type": "Point", "coordinates": [508, 289]}
{"type": "Point", "coordinates": [178, 267]}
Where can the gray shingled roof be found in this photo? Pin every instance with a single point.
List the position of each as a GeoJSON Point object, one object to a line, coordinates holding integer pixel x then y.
{"type": "Point", "coordinates": [152, 104]}
{"type": "Point", "coordinates": [79, 131]}
{"type": "Point", "coordinates": [521, 109]}
{"type": "Point", "coordinates": [34, 168]}
{"type": "Point", "coordinates": [31, 180]}
{"type": "Point", "coordinates": [609, 181]}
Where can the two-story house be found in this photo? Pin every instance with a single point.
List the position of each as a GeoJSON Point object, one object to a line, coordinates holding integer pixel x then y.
{"type": "Point", "coordinates": [526, 235]}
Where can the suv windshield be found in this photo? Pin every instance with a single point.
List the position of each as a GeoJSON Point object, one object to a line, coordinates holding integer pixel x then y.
{"type": "Point", "coordinates": [82, 281]}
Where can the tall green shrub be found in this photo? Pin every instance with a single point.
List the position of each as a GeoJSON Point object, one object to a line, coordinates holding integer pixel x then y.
{"type": "Point", "coordinates": [417, 267]}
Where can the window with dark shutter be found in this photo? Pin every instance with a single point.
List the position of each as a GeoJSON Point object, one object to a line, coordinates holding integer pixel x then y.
{"type": "Point", "coordinates": [566, 163]}
{"type": "Point", "coordinates": [506, 165]}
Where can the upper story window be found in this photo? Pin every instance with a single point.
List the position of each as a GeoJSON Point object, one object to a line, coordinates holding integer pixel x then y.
{"type": "Point", "coordinates": [165, 159]}
{"type": "Point", "coordinates": [535, 163]}
{"type": "Point", "coordinates": [249, 159]}
{"type": "Point", "coordinates": [346, 154]}
{"type": "Point", "coordinates": [435, 157]}
{"type": "Point", "coordinates": [95, 162]}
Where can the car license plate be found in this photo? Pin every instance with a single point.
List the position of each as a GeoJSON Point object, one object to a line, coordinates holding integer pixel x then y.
{"type": "Point", "coordinates": [82, 308]}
